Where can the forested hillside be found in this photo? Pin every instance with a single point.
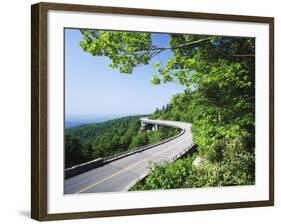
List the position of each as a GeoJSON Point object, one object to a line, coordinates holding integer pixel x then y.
{"type": "Point", "coordinates": [219, 75]}
{"type": "Point", "coordinates": [88, 142]}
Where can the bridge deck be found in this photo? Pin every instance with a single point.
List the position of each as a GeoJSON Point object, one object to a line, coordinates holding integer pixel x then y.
{"type": "Point", "coordinates": [120, 174]}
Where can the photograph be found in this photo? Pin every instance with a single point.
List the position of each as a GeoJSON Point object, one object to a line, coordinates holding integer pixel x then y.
{"type": "Point", "coordinates": [148, 111]}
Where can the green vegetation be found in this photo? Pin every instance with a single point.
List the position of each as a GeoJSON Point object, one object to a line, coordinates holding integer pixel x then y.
{"type": "Point", "coordinates": [87, 142]}
{"type": "Point", "coordinates": [219, 75]}
{"type": "Point", "coordinates": [167, 175]}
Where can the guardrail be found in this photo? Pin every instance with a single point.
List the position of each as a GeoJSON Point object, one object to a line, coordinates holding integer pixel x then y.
{"type": "Point", "coordinates": [142, 148]}
{"type": "Point", "coordinates": [188, 151]}
{"type": "Point", "coordinates": [81, 168]}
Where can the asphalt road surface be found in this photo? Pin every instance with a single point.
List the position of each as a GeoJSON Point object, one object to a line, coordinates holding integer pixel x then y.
{"type": "Point", "coordinates": [121, 174]}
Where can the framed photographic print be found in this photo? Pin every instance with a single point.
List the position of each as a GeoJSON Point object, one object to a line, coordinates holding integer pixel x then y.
{"type": "Point", "coordinates": [139, 111]}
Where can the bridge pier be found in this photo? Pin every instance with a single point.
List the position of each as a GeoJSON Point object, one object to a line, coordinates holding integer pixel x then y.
{"type": "Point", "coordinates": [148, 126]}
{"type": "Point", "coordinates": [155, 127]}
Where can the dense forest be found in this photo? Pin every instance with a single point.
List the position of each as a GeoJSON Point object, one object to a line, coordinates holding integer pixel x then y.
{"type": "Point", "coordinates": [87, 142]}
{"type": "Point", "coordinates": [219, 75]}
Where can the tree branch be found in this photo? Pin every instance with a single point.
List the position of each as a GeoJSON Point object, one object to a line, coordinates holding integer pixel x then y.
{"type": "Point", "coordinates": [181, 45]}
{"type": "Point", "coordinates": [155, 50]}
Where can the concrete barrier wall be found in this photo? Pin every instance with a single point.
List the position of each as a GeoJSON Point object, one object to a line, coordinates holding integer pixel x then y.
{"type": "Point", "coordinates": [140, 149]}
{"type": "Point", "coordinates": [81, 168]}
{"type": "Point", "coordinates": [188, 151]}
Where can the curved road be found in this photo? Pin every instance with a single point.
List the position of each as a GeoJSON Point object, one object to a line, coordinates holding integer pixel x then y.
{"type": "Point", "coordinates": [121, 174]}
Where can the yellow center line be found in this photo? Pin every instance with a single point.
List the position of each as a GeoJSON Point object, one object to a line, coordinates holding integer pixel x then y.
{"type": "Point", "coordinates": [122, 171]}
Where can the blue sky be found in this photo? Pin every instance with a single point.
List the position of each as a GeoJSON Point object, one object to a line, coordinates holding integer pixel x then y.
{"type": "Point", "coordinates": [92, 88]}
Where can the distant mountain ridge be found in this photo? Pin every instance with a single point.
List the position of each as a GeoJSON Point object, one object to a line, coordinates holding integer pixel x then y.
{"type": "Point", "coordinates": [81, 120]}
